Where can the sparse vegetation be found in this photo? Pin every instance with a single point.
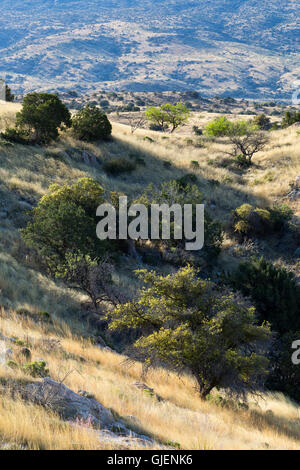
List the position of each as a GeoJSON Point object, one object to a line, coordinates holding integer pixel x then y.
{"type": "Point", "coordinates": [60, 271]}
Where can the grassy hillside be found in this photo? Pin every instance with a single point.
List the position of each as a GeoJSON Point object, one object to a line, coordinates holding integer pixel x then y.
{"type": "Point", "coordinates": [181, 417]}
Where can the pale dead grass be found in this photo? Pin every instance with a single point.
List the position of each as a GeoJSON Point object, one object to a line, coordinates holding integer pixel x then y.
{"type": "Point", "coordinates": [271, 422]}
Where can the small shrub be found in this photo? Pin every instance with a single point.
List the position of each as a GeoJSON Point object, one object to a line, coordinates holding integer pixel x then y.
{"type": "Point", "coordinates": [247, 221]}
{"type": "Point", "coordinates": [117, 166]}
{"type": "Point", "coordinates": [12, 364]}
{"type": "Point", "coordinates": [16, 136]}
{"type": "Point", "coordinates": [44, 316]}
{"type": "Point", "coordinates": [242, 161]}
{"type": "Point", "coordinates": [156, 127]}
{"type": "Point", "coordinates": [148, 139]}
{"type": "Point", "coordinates": [194, 164]}
{"type": "Point", "coordinates": [197, 131]}
{"type": "Point", "coordinates": [36, 369]}
{"type": "Point", "coordinates": [187, 179]}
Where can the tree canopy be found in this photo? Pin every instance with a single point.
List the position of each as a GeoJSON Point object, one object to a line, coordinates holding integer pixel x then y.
{"type": "Point", "coordinates": [43, 114]}
{"type": "Point", "coordinates": [189, 327]}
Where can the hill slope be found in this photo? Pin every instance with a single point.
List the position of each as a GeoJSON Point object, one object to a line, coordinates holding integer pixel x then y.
{"type": "Point", "coordinates": [230, 47]}
{"type": "Point", "coordinates": [67, 343]}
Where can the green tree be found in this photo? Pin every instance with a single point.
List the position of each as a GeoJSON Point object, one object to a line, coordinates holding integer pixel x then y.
{"type": "Point", "coordinates": [43, 114]}
{"type": "Point", "coordinates": [218, 128]}
{"type": "Point", "coordinates": [157, 117]}
{"type": "Point", "coordinates": [262, 122]}
{"type": "Point", "coordinates": [91, 123]}
{"type": "Point", "coordinates": [290, 118]}
{"type": "Point", "coordinates": [177, 114]}
{"type": "Point", "coordinates": [65, 220]}
{"type": "Point", "coordinates": [174, 115]}
{"type": "Point", "coordinates": [8, 94]}
{"type": "Point", "coordinates": [92, 276]}
{"type": "Point", "coordinates": [189, 327]}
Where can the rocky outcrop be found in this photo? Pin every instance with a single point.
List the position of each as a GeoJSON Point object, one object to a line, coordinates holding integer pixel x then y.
{"type": "Point", "coordinates": [68, 404]}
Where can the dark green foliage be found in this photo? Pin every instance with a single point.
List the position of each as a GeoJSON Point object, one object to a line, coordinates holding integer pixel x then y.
{"type": "Point", "coordinates": [262, 122]}
{"type": "Point", "coordinates": [197, 131]}
{"type": "Point", "coordinates": [65, 220]}
{"type": "Point", "coordinates": [187, 179]}
{"type": "Point", "coordinates": [175, 193]}
{"type": "Point", "coordinates": [248, 221]}
{"type": "Point", "coordinates": [290, 118]}
{"type": "Point", "coordinates": [188, 326]}
{"type": "Point", "coordinates": [8, 94]}
{"type": "Point", "coordinates": [91, 124]}
{"type": "Point", "coordinates": [43, 114]}
{"type": "Point", "coordinates": [117, 166]}
{"type": "Point", "coordinates": [156, 127]}
{"type": "Point", "coordinates": [17, 136]}
{"type": "Point", "coordinates": [284, 376]}
{"type": "Point", "coordinates": [274, 291]}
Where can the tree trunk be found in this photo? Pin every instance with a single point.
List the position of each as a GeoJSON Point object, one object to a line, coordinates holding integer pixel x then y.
{"type": "Point", "coordinates": [204, 389]}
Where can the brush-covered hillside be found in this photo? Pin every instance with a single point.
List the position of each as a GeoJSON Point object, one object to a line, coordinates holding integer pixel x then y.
{"type": "Point", "coordinates": [48, 328]}
{"type": "Point", "coordinates": [230, 47]}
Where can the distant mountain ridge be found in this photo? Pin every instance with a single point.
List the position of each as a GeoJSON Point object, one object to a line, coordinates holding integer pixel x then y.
{"type": "Point", "coordinates": [229, 47]}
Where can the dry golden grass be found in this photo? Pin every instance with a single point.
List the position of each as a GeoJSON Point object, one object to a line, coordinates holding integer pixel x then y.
{"type": "Point", "coordinates": [26, 173]}
{"type": "Point", "coordinates": [270, 422]}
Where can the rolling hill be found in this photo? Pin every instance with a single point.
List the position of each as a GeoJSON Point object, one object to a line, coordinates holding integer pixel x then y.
{"type": "Point", "coordinates": [227, 47]}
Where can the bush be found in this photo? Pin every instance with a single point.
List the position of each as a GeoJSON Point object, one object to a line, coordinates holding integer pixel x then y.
{"type": "Point", "coordinates": [43, 114]}
{"type": "Point", "coordinates": [218, 128]}
{"type": "Point", "coordinates": [117, 166]}
{"type": "Point", "coordinates": [262, 122]}
{"type": "Point", "coordinates": [248, 221]}
{"type": "Point", "coordinates": [90, 124]}
{"type": "Point", "coordinates": [16, 136]}
{"type": "Point", "coordinates": [173, 192]}
{"type": "Point", "coordinates": [187, 179]}
{"type": "Point", "coordinates": [197, 131]}
{"type": "Point", "coordinates": [273, 290]}
{"type": "Point", "coordinates": [36, 369]}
